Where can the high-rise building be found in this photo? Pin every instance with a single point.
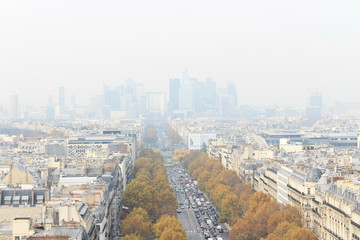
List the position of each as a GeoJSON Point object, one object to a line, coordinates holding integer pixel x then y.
{"type": "Point", "coordinates": [210, 94]}
{"type": "Point", "coordinates": [156, 103]}
{"type": "Point", "coordinates": [14, 107]}
{"type": "Point", "coordinates": [187, 93]}
{"type": "Point", "coordinates": [314, 110]}
{"type": "Point", "coordinates": [231, 88]}
{"type": "Point", "coordinates": [174, 86]}
{"type": "Point", "coordinates": [316, 100]}
{"type": "Point", "coordinates": [73, 101]}
{"type": "Point", "coordinates": [50, 112]}
{"type": "Point", "coordinates": [50, 109]}
{"type": "Point", "coordinates": [227, 106]}
{"type": "Point", "coordinates": [112, 97]}
{"type": "Point", "coordinates": [62, 103]}
{"type": "Point", "coordinates": [190, 96]}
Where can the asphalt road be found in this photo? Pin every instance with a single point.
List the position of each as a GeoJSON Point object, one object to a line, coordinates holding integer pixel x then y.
{"type": "Point", "coordinates": [189, 222]}
{"type": "Point", "coordinates": [187, 216]}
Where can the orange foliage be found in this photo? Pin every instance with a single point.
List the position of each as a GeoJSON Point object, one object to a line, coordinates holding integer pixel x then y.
{"type": "Point", "coordinates": [254, 216]}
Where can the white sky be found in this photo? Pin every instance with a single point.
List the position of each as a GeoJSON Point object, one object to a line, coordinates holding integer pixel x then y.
{"type": "Point", "coordinates": [277, 51]}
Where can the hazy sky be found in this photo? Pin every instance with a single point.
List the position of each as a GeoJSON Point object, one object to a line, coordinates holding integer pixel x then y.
{"type": "Point", "coordinates": [277, 52]}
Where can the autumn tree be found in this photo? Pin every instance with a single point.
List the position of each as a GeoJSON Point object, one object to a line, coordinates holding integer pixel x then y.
{"type": "Point", "coordinates": [291, 230]}
{"type": "Point", "coordinates": [300, 233]}
{"type": "Point", "coordinates": [150, 134]}
{"type": "Point", "coordinates": [140, 194]}
{"type": "Point", "coordinates": [142, 163]}
{"type": "Point", "coordinates": [230, 209]}
{"type": "Point", "coordinates": [172, 134]}
{"type": "Point", "coordinates": [137, 223]}
{"type": "Point", "coordinates": [171, 234]}
{"type": "Point", "coordinates": [254, 216]}
{"type": "Point", "coordinates": [261, 216]}
{"type": "Point", "coordinates": [242, 230]}
{"type": "Point", "coordinates": [132, 237]}
{"type": "Point", "coordinates": [169, 227]}
{"type": "Point", "coordinates": [150, 193]}
{"type": "Point", "coordinates": [288, 213]}
{"type": "Point", "coordinates": [256, 200]}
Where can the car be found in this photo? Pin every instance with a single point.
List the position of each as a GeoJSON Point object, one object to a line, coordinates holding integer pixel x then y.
{"type": "Point", "coordinates": [178, 210]}
{"type": "Point", "coordinates": [182, 207]}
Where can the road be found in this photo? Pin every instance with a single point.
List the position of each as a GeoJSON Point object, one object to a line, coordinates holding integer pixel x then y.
{"type": "Point", "coordinates": [199, 218]}
{"type": "Point", "coordinates": [188, 221]}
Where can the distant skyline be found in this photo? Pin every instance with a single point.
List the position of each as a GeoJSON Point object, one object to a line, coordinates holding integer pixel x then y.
{"type": "Point", "coordinates": [276, 52]}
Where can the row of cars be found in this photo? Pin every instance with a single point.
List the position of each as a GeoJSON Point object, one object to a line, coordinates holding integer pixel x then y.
{"type": "Point", "coordinates": [193, 199]}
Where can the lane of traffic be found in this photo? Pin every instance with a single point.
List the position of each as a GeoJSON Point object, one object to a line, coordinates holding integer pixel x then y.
{"type": "Point", "coordinates": [195, 209]}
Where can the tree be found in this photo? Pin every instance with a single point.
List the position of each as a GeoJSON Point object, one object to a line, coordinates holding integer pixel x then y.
{"type": "Point", "coordinates": [256, 200]}
{"type": "Point", "coordinates": [139, 194]}
{"type": "Point", "coordinates": [138, 223]}
{"type": "Point", "coordinates": [131, 237]}
{"type": "Point", "coordinates": [170, 227]}
{"type": "Point", "coordinates": [283, 228]}
{"type": "Point", "coordinates": [219, 192]}
{"type": "Point", "coordinates": [142, 163]}
{"type": "Point", "coordinates": [261, 216]}
{"type": "Point", "coordinates": [271, 236]}
{"type": "Point", "coordinates": [204, 148]}
{"type": "Point", "coordinates": [167, 203]}
{"type": "Point", "coordinates": [172, 134]}
{"type": "Point", "coordinates": [289, 214]}
{"type": "Point", "coordinates": [203, 178]}
{"type": "Point", "coordinates": [290, 230]}
{"type": "Point", "coordinates": [150, 134]}
{"type": "Point", "coordinates": [300, 233]}
{"type": "Point", "coordinates": [229, 178]}
{"type": "Point", "coordinates": [230, 209]}
{"type": "Point", "coordinates": [170, 234]}
{"type": "Point", "coordinates": [242, 230]}
{"type": "Point", "coordinates": [244, 199]}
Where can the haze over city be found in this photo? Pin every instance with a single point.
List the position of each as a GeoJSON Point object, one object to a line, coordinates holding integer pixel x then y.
{"type": "Point", "coordinates": [179, 120]}
{"type": "Point", "coordinates": [276, 52]}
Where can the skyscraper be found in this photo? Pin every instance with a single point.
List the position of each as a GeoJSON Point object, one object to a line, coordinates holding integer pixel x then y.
{"type": "Point", "coordinates": [187, 93]}
{"type": "Point", "coordinates": [14, 107]}
{"type": "Point", "coordinates": [316, 100]}
{"type": "Point", "coordinates": [112, 97]}
{"type": "Point", "coordinates": [50, 109]}
{"type": "Point", "coordinates": [210, 94]}
{"type": "Point", "coordinates": [62, 104]}
{"type": "Point", "coordinates": [174, 86]}
{"type": "Point", "coordinates": [231, 88]}
{"type": "Point", "coordinates": [156, 103]}
{"type": "Point", "coordinates": [314, 110]}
